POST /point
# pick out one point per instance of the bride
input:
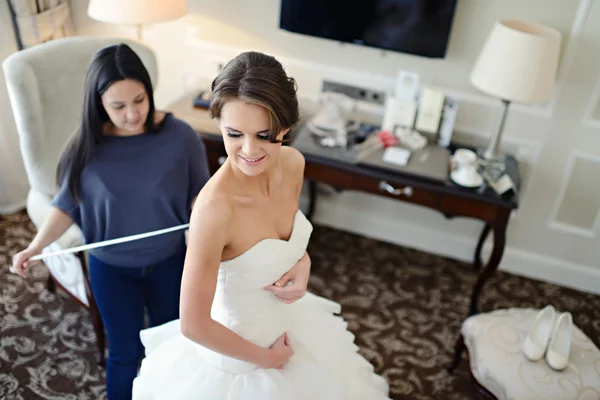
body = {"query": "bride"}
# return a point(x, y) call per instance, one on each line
point(238, 337)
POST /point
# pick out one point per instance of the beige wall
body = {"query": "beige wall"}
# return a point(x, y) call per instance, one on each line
point(548, 139)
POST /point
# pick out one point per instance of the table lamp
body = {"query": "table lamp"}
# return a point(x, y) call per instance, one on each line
point(518, 62)
point(136, 12)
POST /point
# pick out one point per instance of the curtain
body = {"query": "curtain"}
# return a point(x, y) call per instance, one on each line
point(37, 21)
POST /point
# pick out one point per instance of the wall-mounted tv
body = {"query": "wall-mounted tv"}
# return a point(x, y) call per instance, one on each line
point(420, 27)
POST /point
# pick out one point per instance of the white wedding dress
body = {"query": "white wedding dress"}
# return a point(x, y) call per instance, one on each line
point(325, 364)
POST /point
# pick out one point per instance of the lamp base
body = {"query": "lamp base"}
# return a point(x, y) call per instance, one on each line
point(492, 166)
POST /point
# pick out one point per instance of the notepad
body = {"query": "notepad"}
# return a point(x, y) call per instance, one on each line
point(430, 111)
point(396, 155)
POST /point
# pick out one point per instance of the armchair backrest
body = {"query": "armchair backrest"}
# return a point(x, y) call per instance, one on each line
point(45, 86)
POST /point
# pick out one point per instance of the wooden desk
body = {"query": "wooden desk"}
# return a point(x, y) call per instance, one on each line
point(338, 167)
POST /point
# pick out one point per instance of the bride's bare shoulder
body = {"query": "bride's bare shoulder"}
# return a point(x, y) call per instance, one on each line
point(213, 208)
point(293, 166)
point(215, 194)
point(293, 160)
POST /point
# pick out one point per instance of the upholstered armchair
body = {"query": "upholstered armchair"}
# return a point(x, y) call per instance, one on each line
point(45, 86)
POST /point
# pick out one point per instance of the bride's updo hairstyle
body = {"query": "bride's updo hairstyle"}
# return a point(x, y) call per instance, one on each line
point(259, 79)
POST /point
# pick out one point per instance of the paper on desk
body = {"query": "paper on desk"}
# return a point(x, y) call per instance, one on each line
point(430, 110)
point(396, 155)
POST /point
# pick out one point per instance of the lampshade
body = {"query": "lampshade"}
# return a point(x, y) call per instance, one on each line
point(136, 12)
point(518, 62)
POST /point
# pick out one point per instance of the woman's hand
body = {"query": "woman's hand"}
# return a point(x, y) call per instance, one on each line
point(21, 262)
point(279, 353)
point(55, 225)
point(292, 285)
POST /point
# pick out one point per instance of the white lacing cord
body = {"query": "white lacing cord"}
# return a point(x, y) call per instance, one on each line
point(109, 242)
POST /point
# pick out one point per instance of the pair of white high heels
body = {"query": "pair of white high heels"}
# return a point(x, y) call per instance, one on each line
point(550, 335)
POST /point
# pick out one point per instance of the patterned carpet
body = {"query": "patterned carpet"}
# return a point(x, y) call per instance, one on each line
point(404, 306)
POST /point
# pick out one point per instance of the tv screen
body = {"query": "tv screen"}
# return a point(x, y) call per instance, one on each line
point(419, 27)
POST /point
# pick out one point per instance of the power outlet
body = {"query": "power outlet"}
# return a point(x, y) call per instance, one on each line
point(374, 97)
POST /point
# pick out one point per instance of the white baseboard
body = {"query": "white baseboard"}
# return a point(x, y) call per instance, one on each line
point(553, 270)
point(392, 230)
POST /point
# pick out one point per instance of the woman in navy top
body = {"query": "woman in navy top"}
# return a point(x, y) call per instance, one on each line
point(128, 169)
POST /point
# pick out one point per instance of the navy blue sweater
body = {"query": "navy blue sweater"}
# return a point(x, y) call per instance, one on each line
point(136, 184)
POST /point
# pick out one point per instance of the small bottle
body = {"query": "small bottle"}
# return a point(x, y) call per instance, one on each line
point(448, 119)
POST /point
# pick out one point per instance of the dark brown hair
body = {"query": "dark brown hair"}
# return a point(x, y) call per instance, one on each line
point(109, 65)
point(258, 79)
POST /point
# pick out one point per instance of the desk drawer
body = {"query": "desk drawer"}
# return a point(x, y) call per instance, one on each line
point(396, 191)
point(332, 176)
point(457, 206)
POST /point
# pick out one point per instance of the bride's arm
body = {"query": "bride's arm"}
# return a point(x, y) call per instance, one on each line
point(206, 240)
point(293, 284)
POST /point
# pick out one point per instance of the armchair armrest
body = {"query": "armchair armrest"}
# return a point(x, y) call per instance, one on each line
point(38, 208)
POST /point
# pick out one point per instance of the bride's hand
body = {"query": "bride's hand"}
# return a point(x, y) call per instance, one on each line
point(280, 353)
point(292, 286)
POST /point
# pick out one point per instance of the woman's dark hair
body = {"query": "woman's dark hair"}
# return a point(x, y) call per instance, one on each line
point(109, 65)
point(258, 79)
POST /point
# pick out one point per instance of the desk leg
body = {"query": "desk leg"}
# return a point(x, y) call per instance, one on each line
point(499, 227)
point(312, 195)
point(484, 234)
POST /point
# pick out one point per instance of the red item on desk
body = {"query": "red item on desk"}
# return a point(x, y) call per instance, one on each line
point(387, 139)
point(381, 139)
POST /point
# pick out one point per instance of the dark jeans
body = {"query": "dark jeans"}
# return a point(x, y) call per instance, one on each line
point(122, 294)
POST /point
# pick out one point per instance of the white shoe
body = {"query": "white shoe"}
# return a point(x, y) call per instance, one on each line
point(559, 349)
point(536, 341)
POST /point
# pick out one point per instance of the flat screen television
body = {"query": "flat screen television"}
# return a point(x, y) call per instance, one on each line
point(419, 27)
